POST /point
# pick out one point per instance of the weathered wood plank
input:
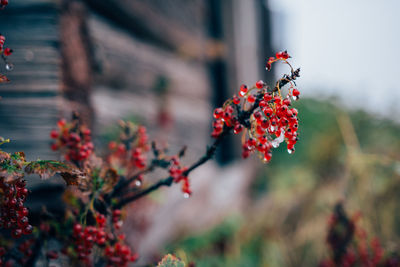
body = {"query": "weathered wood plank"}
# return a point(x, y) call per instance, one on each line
point(131, 64)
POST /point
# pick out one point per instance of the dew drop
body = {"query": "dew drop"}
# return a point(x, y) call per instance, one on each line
point(9, 66)
point(186, 195)
point(138, 183)
point(290, 151)
point(295, 98)
point(275, 143)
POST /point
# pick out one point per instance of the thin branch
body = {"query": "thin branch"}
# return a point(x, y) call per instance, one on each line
point(169, 180)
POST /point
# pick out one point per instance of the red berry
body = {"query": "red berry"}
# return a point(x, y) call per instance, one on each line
point(243, 90)
point(61, 123)
point(260, 84)
point(251, 99)
point(238, 128)
point(295, 92)
point(7, 52)
point(267, 97)
point(236, 100)
point(54, 134)
point(218, 113)
point(282, 55)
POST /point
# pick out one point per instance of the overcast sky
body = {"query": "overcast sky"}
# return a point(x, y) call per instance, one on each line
point(349, 47)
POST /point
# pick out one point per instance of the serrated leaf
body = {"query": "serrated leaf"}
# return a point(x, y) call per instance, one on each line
point(171, 261)
point(74, 178)
point(48, 168)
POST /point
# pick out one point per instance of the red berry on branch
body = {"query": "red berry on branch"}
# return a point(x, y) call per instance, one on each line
point(251, 99)
point(54, 134)
point(260, 84)
point(243, 90)
point(7, 52)
point(236, 100)
point(282, 55)
point(218, 113)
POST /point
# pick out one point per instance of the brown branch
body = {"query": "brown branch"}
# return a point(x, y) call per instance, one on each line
point(168, 181)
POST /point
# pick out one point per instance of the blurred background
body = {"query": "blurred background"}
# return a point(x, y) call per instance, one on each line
point(168, 63)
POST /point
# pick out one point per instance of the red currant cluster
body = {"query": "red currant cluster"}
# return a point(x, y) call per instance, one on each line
point(74, 139)
point(84, 240)
point(26, 250)
point(119, 254)
point(3, 3)
point(350, 247)
point(2, 253)
point(13, 214)
point(264, 115)
point(5, 52)
point(178, 173)
point(130, 153)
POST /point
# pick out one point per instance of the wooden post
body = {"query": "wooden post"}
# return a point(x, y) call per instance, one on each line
point(76, 59)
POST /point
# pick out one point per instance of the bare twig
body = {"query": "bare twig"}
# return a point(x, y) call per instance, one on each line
point(168, 181)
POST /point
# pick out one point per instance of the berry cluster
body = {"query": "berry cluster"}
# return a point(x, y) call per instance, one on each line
point(349, 245)
point(13, 214)
point(116, 253)
point(26, 250)
point(263, 114)
point(129, 153)
point(74, 139)
point(5, 51)
point(177, 172)
point(85, 238)
point(282, 55)
point(3, 3)
point(119, 254)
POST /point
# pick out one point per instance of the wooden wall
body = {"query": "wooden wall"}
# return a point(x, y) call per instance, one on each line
point(29, 104)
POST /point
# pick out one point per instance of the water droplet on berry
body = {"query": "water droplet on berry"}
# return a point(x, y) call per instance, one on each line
point(186, 195)
point(277, 141)
point(9, 66)
point(290, 151)
point(138, 183)
point(295, 98)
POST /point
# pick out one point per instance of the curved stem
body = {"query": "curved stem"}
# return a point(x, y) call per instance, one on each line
point(169, 180)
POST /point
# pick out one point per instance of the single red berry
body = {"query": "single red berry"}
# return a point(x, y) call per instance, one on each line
point(260, 84)
point(243, 90)
point(86, 132)
point(295, 92)
point(238, 128)
point(54, 134)
point(7, 52)
point(61, 123)
point(52, 254)
point(267, 97)
point(236, 100)
point(218, 113)
point(269, 63)
point(251, 99)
